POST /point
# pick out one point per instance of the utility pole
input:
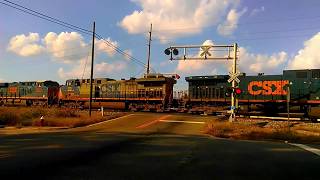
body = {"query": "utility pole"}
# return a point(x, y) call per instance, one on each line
point(149, 49)
point(92, 60)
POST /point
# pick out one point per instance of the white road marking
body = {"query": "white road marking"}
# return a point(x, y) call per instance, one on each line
point(307, 148)
point(109, 120)
point(190, 122)
point(276, 118)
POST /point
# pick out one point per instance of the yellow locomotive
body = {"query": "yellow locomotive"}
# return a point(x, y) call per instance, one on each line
point(151, 92)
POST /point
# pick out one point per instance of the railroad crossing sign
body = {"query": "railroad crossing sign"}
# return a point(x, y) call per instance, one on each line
point(234, 77)
point(205, 52)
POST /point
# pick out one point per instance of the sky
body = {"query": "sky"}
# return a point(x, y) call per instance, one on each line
point(272, 36)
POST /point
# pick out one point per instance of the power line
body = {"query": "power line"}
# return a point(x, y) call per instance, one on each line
point(47, 19)
point(122, 52)
point(119, 50)
point(41, 14)
point(68, 25)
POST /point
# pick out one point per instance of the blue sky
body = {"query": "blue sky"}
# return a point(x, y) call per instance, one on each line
point(272, 35)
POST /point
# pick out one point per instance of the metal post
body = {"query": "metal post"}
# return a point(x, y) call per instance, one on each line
point(92, 60)
point(288, 105)
point(234, 71)
point(149, 50)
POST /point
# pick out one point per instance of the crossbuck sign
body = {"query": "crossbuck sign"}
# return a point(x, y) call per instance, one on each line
point(234, 77)
point(205, 52)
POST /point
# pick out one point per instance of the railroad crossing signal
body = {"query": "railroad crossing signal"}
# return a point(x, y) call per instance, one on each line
point(173, 50)
point(205, 52)
point(234, 77)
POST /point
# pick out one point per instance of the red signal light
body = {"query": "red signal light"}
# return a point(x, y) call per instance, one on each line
point(238, 91)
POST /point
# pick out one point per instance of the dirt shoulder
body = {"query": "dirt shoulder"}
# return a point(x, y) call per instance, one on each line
point(29, 130)
point(265, 129)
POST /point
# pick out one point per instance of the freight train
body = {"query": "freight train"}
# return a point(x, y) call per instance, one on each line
point(260, 94)
point(151, 92)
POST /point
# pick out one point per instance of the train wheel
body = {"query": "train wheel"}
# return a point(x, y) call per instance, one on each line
point(29, 102)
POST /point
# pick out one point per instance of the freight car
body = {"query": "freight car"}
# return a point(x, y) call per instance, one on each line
point(29, 93)
point(151, 92)
point(261, 94)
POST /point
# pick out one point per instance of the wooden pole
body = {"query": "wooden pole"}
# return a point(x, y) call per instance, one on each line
point(149, 50)
point(92, 61)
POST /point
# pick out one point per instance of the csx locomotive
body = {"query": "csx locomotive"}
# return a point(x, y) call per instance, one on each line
point(151, 92)
point(261, 94)
point(29, 93)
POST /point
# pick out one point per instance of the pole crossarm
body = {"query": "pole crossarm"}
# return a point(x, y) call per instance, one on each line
point(199, 46)
point(206, 52)
point(200, 58)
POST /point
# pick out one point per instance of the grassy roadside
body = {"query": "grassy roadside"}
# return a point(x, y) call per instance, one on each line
point(54, 117)
point(264, 130)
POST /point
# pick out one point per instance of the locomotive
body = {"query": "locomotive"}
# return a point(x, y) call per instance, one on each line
point(151, 92)
point(29, 93)
point(260, 94)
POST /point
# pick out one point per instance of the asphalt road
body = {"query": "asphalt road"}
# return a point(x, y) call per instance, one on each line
point(149, 146)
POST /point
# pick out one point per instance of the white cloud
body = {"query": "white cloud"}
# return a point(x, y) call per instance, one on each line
point(1, 80)
point(107, 68)
point(128, 54)
point(108, 49)
point(176, 18)
point(257, 10)
point(309, 56)
point(70, 48)
point(25, 45)
point(165, 63)
point(66, 47)
point(82, 69)
point(231, 23)
point(256, 63)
